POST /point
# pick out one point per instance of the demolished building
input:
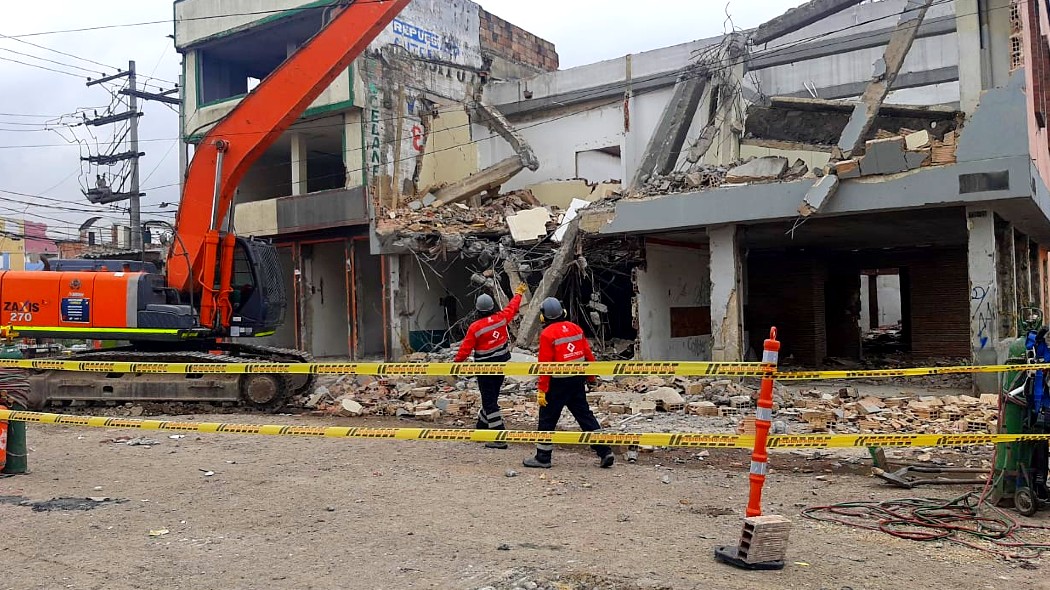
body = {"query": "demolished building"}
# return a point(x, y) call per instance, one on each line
point(843, 158)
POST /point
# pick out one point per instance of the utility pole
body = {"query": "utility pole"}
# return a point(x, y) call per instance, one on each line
point(103, 193)
point(134, 213)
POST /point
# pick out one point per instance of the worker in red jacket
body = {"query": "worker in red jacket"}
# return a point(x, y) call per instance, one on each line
point(489, 339)
point(562, 341)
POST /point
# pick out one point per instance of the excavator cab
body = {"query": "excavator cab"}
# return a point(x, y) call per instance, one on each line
point(258, 296)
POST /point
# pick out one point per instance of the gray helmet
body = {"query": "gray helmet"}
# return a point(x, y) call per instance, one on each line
point(551, 309)
point(484, 303)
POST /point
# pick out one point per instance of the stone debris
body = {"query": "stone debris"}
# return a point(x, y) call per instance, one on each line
point(659, 404)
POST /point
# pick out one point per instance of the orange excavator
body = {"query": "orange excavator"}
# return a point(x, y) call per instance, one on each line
point(216, 285)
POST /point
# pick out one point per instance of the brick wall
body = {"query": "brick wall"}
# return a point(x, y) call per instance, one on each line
point(787, 291)
point(796, 293)
point(503, 39)
point(940, 304)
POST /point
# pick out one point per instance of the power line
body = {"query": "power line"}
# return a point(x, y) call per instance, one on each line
point(51, 61)
point(41, 67)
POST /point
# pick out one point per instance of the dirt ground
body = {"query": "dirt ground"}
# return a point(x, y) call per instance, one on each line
point(317, 514)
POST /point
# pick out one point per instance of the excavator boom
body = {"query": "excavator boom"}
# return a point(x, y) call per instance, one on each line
point(227, 152)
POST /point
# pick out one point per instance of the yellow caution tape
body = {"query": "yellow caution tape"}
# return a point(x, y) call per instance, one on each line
point(909, 372)
point(616, 369)
point(628, 368)
point(673, 440)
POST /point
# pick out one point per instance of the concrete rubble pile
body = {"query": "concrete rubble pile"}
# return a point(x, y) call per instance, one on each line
point(659, 404)
point(845, 412)
point(457, 217)
point(704, 176)
point(887, 153)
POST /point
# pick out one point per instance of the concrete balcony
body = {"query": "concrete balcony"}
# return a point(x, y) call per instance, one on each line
point(303, 213)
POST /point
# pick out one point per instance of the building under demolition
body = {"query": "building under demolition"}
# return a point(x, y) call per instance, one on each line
point(680, 201)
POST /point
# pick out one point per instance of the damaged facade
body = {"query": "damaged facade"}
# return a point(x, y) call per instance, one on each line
point(846, 168)
point(827, 177)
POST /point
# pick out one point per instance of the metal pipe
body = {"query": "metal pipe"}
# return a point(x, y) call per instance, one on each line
point(220, 148)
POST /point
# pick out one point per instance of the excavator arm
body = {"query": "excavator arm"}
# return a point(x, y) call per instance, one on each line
point(205, 253)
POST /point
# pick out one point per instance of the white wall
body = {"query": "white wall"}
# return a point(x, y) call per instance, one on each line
point(558, 137)
point(594, 165)
point(673, 277)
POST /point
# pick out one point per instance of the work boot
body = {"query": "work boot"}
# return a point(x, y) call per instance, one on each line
point(496, 445)
point(536, 463)
point(608, 460)
point(632, 456)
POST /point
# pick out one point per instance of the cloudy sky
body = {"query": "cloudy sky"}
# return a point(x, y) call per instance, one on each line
point(38, 160)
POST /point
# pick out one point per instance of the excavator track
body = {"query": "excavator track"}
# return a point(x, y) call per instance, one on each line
point(261, 391)
point(298, 384)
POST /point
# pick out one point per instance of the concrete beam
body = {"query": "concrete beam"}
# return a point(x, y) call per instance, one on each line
point(909, 80)
point(488, 179)
point(490, 117)
point(821, 193)
point(791, 53)
point(665, 144)
point(552, 278)
point(885, 73)
point(799, 18)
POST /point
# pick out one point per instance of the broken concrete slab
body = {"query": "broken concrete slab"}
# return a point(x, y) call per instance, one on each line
point(884, 75)
point(847, 169)
point(917, 159)
point(479, 182)
point(574, 210)
point(764, 168)
point(818, 194)
point(883, 156)
point(349, 407)
point(529, 226)
point(559, 267)
point(560, 193)
point(665, 144)
point(797, 170)
point(917, 140)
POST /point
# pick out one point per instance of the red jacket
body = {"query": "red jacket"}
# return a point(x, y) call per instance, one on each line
point(563, 342)
point(488, 337)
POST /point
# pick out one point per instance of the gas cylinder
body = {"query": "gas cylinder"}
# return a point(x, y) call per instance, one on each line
point(3, 442)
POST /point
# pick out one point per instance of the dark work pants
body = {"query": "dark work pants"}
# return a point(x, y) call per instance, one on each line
point(567, 392)
point(490, 417)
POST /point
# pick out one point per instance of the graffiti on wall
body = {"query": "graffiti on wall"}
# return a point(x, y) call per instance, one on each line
point(423, 42)
point(375, 135)
point(983, 316)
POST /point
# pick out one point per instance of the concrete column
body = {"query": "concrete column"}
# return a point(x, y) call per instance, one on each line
point(397, 319)
point(299, 156)
point(971, 56)
point(984, 295)
point(353, 158)
point(727, 320)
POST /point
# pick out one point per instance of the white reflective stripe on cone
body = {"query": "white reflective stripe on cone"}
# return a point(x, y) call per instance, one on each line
point(758, 468)
point(770, 357)
point(764, 414)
